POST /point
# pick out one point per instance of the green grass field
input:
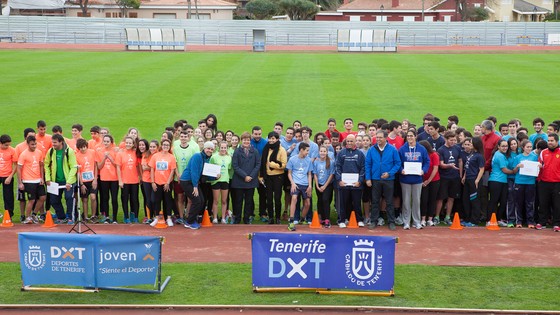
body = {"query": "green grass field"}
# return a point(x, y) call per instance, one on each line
point(415, 286)
point(152, 90)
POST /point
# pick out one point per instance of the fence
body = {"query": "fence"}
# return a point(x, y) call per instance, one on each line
point(38, 29)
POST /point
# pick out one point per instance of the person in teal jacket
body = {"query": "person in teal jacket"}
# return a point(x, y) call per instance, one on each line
point(61, 169)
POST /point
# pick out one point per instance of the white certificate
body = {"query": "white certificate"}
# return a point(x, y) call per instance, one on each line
point(211, 170)
point(413, 168)
point(350, 178)
point(530, 168)
point(53, 188)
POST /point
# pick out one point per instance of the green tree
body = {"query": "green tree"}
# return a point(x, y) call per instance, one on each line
point(125, 5)
point(262, 9)
point(328, 5)
point(83, 6)
point(478, 14)
point(299, 9)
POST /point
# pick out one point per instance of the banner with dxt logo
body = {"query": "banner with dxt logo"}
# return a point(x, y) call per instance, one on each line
point(353, 262)
point(88, 260)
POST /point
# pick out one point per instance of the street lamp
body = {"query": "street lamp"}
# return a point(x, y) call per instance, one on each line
point(382, 8)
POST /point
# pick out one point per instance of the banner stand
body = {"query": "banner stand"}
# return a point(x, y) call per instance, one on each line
point(160, 286)
point(390, 293)
point(358, 265)
point(40, 289)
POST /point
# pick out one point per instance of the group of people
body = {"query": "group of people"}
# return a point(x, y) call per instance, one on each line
point(386, 172)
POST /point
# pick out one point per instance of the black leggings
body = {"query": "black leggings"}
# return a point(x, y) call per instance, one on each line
point(324, 200)
point(498, 195)
point(129, 193)
point(106, 189)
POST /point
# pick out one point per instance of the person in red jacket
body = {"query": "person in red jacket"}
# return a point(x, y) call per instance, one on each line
point(489, 142)
point(549, 187)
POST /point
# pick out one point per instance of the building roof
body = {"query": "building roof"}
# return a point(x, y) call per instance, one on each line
point(168, 3)
point(524, 7)
point(375, 5)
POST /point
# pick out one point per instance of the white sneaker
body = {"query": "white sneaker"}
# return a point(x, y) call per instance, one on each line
point(380, 222)
point(342, 225)
point(406, 227)
point(423, 223)
point(169, 222)
point(28, 220)
point(399, 220)
point(419, 226)
point(429, 223)
point(215, 221)
point(296, 222)
point(361, 224)
point(154, 222)
point(224, 221)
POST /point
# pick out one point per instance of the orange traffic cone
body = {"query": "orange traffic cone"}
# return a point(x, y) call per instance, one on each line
point(206, 220)
point(161, 222)
point(315, 223)
point(456, 223)
point(7, 221)
point(493, 224)
point(352, 224)
point(49, 223)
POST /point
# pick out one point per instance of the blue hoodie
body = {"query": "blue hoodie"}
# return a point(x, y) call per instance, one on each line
point(416, 154)
point(193, 172)
point(386, 161)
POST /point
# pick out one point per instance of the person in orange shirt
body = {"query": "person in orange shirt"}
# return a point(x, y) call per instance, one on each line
point(76, 134)
point(96, 139)
point(132, 133)
point(30, 173)
point(8, 167)
point(108, 180)
point(163, 166)
point(128, 173)
point(145, 152)
point(19, 149)
point(44, 140)
point(87, 178)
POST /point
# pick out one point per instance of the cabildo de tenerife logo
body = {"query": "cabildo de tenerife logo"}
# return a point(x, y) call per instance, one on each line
point(34, 258)
point(363, 267)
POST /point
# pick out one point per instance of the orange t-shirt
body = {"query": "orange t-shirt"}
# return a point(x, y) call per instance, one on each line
point(87, 164)
point(31, 163)
point(128, 163)
point(7, 159)
point(107, 172)
point(146, 174)
point(44, 143)
point(20, 148)
point(93, 144)
point(72, 143)
point(163, 165)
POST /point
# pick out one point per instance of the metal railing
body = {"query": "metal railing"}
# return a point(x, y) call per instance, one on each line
point(39, 29)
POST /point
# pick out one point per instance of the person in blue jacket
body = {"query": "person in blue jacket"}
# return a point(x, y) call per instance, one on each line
point(382, 163)
point(190, 182)
point(350, 161)
point(411, 183)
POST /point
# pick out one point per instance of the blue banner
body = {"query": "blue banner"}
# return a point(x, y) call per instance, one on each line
point(88, 260)
point(353, 262)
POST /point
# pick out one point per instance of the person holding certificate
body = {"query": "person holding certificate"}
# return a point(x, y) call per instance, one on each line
point(524, 187)
point(190, 182)
point(350, 174)
point(416, 162)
